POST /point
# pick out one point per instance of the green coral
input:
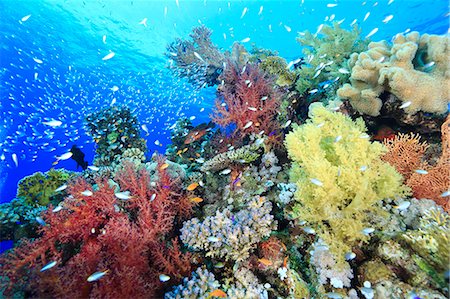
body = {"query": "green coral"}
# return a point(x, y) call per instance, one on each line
point(277, 66)
point(431, 241)
point(340, 178)
point(39, 188)
point(328, 53)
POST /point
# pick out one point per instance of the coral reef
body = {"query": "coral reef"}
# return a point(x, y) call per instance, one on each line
point(340, 178)
point(414, 68)
point(278, 67)
point(127, 236)
point(114, 130)
point(198, 60)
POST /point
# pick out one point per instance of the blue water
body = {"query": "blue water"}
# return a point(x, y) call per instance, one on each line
point(71, 37)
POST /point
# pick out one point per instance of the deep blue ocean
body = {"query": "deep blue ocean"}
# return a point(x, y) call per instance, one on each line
point(51, 63)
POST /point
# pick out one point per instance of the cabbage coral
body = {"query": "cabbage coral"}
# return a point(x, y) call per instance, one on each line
point(340, 178)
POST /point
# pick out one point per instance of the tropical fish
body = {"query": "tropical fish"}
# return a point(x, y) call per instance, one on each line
point(108, 56)
point(245, 40)
point(25, 18)
point(192, 187)
point(65, 156)
point(375, 30)
point(213, 239)
point(15, 159)
point(217, 293)
point(198, 132)
point(164, 166)
point(52, 123)
point(96, 276)
point(48, 266)
point(87, 193)
point(265, 262)
point(143, 22)
point(164, 277)
point(61, 188)
point(316, 182)
point(197, 199)
point(123, 195)
point(384, 132)
point(387, 19)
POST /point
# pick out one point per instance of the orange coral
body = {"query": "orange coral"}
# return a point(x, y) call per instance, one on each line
point(437, 180)
point(406, 153)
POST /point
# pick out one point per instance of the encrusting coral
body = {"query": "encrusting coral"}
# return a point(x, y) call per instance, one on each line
point(414, 68)
point(340, 178)
point(127, 236)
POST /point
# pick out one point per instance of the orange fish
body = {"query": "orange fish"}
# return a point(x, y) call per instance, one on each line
point(285, 261)
point(198, 132)
point(217, 293)
point(197, 199)
point(192, 187)
point(164, 166)
point(384, 132)
point(265, 262)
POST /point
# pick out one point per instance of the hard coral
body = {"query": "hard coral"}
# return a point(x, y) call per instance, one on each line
point(133, 240)
point(340, 178)
point(414, 68)
point(250, 100)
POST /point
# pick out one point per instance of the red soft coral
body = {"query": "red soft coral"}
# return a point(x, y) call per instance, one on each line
point(134, 240)
point(251, 100)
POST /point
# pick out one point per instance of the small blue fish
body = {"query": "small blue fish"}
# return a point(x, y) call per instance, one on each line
point(48, 266)
point(40, 221)
point(97, 275)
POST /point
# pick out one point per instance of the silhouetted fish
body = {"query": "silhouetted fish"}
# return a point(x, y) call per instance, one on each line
point(78, 156)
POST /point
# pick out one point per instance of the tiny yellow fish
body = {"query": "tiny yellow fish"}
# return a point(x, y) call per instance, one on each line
point(185, 150)
point(217, 293)
point(164, 166)
point(265, 262)
point(197, 199)
point(192, 187)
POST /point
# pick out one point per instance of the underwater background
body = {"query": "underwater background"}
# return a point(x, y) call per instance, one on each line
point(70, 68)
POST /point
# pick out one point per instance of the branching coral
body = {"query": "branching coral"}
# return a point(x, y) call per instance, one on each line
point(405, 153)
point(114, 129)
point(414, 69)
point(339, 176)
point(130, 239)
point(247, 100)
point(427, 181)
point(198, 60)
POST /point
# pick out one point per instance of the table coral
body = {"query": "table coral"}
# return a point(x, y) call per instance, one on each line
point(414, 68)
point(132, 239)
point(340, 178)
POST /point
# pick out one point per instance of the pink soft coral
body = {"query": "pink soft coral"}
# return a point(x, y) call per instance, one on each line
point(251, 101)
point(133, 239)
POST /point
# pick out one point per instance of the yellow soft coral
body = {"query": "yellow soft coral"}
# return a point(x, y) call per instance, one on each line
point(339, 176)
point(414, 68)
